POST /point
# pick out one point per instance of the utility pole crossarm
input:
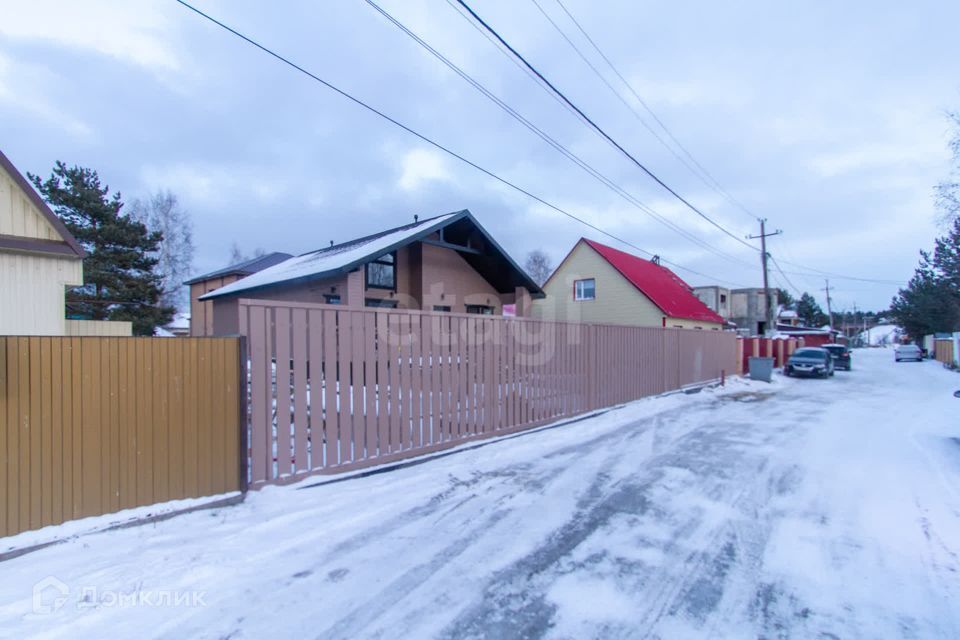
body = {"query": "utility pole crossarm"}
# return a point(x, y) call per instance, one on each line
point(763, 261)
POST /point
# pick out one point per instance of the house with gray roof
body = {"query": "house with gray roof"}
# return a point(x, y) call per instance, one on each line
point(447, 263)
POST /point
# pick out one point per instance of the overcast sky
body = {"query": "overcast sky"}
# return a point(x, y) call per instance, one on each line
point(827, 118)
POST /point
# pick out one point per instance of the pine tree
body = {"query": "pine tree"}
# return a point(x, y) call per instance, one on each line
point(119, 277)
point(810, 312)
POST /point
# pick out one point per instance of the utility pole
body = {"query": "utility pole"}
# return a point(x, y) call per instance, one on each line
point(763, 261)
point(829, 310)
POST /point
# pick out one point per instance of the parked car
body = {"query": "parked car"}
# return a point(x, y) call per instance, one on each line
point(907, 352)
point(810, 361)
point(841, 356)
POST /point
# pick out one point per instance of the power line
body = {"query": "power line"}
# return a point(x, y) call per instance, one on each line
point(623, 193)
point(595, 126)
point(421, 136)
point(672, 137)
point(684, 156)
point(777, 265)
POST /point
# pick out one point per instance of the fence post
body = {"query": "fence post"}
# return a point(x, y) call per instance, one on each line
point(243, 388)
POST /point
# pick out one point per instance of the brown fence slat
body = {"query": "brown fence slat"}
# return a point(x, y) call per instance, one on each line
point(92, 425)
point(370, 385)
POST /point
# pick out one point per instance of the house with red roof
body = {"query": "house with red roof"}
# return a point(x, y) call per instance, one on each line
point(598, 284)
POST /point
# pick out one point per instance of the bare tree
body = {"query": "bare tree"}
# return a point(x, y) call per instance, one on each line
point(947, 192)
point(237, 255)
point(161, 212)
point(538, 266)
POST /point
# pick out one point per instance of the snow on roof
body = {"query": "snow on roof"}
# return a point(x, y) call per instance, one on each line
point(180, 321)
point(331, 259)
point(665, 288)
point(258, 263)
point(789, 313)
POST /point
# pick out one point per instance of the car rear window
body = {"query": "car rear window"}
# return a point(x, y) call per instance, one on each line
point(836, 350)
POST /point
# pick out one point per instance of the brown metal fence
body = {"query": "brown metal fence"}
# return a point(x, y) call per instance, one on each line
point(943, 351)
point(94, 425)
point(335, 388)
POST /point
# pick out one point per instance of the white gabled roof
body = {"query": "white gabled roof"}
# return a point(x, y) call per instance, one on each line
point(333, 258)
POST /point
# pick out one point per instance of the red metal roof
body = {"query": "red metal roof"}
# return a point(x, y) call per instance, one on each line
point(674, 296)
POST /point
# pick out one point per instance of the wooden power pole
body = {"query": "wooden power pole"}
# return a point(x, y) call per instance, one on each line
point(763, 261)
point(829, 302)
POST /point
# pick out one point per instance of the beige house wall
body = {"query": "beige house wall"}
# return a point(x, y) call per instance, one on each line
point(32, 285)
point(120, 328)
point(32, 288)
point(18, 215)
point(617, 300)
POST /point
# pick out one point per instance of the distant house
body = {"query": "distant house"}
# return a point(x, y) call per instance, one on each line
point(201, 312)
point(448, 263)
point(716, 298)
point(39, 259)
point(788, 317)
point(599, 284)
point(812, 336)
point(748, 309)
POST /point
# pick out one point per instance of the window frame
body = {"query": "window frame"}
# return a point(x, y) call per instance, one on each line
point(577, 297)
point(480, 309)
point(381, 261)
point(380, 303)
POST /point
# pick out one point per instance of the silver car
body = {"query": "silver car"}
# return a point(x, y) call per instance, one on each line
point(907, 352)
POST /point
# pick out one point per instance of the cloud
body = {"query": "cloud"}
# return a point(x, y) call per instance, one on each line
point(213, 184)
point(134, 32)
point(876, 156)
point(22, 90)
point(422, 166)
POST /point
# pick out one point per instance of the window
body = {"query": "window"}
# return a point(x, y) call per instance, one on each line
point(382, 272)
point(585, 289)
point(480, 309)
point(331, 298)
point(381, 302)
point(723, 298)
point(442, 307)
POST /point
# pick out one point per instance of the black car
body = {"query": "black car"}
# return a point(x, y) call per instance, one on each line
point(810, 361)
point(841, 356)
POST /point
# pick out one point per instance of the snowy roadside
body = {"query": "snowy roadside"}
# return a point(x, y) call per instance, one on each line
point(803, 508)
point(27, 541)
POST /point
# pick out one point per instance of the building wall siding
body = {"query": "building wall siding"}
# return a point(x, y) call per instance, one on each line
point(617, 300)
point(32, 291)
point(121, 328)
point(18, 216)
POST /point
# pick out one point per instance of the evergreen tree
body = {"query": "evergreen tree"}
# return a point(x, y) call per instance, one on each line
point(811, 315)
point(784, 298)
point(119, 277)
point(931, 301)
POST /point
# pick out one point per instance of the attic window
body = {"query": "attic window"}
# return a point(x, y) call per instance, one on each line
point(585, 289)
point(382, 272)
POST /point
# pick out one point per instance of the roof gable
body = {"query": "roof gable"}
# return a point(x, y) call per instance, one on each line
point(63, 245)
point(661, 285)
point(347, 256)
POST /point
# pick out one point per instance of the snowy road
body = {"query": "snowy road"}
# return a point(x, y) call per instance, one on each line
point(806, 509)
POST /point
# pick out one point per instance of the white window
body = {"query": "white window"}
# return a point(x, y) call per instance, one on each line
point(584, 289)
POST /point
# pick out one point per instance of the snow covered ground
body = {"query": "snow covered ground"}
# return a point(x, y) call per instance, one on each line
point(804, 508)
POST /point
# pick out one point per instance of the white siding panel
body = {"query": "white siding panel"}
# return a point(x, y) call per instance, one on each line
point(32, 293)
point(19, 216)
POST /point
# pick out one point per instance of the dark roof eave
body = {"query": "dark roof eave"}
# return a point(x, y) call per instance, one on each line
point(37, 245)
point(42, 206)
